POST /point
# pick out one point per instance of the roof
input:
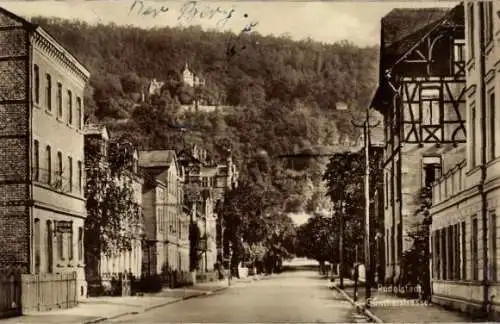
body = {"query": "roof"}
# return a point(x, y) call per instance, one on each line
point(160, 158)
point(96, 129)
point(11, 18)
point(402, 29)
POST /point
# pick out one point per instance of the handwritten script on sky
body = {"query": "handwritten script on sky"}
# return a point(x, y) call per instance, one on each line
point(189, 12)
point(193, 11)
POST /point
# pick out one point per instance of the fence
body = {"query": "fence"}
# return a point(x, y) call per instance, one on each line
point(42, 292)
point(108, 284)
point(10, 296)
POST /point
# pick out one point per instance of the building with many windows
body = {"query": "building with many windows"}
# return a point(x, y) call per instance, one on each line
point(421, 95)
point(466, 199)
point(217, 178)
point(41, 152)
point(165, 224)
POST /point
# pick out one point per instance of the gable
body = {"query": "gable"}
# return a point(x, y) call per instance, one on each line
point(9, 19)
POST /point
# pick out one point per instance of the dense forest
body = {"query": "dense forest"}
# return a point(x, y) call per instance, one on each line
point(279, 96)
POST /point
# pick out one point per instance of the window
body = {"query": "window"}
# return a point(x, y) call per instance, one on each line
point(492, 125)
point(488, 18)
point(400, 241)
point(386, 190)
point(470, 18)
point(474, 256)
point(464, 252)
point(59, 165)
point(79, 112)
point(36, 160)
point(36, 242)
point(70, 245)
point(473, 136)
point(48, 92)
point(60, 246)
point(80, 176)
point(398, 180)
point(437, 247)
point(458, 51)
point(48, 163)
point(456, 238)
point(387, 247)
point(393, 248)
point(204, 182)
point(59, 101)
point(430, 106)
point(459, 57)
point(80, 243)
point(70, 107)
point(70, 175)
point(444, 266)
point(431, 170)
point(50, 255)
point(493, 247)
point(36, 83)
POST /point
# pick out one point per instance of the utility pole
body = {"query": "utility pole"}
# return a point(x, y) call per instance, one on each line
point(366, 133)
point(230, 272)
point(341, 246)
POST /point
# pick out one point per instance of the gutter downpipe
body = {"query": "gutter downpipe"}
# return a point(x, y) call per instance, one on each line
point(484, 202)
point(388, 77)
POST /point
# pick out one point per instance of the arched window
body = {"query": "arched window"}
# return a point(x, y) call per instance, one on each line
point(50, 255)
point(36, 243)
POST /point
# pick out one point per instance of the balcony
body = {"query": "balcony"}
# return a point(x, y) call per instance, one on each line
point(55, 181)
point(450, 184)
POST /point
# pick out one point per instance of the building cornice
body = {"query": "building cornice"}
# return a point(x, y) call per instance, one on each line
point(42, 40)
point(454, 200)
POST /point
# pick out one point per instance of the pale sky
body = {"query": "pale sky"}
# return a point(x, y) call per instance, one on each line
point(358, 21)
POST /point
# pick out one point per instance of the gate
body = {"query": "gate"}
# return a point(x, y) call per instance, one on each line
point(10, 296)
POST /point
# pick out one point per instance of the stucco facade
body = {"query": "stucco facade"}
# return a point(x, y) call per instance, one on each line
point(165, 223)
point(466, 200)
point(41, 149)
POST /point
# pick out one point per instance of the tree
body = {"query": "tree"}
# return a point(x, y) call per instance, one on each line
point(316, 240)
point(415, 261)
point(113, 217)
point(345, 187)
point(251, 222)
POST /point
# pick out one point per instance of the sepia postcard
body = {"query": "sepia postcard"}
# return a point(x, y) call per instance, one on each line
point(202, 161)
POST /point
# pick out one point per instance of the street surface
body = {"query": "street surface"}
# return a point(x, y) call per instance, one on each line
point(295, 296)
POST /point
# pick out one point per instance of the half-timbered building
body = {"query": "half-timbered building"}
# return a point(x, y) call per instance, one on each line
point(464, 240)
point(421, 95)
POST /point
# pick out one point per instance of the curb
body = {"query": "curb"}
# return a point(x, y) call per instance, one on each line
point(146, 309)
point(359, 307)
point(172, 301)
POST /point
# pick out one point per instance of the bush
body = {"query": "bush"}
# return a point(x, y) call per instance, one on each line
point(153, 283)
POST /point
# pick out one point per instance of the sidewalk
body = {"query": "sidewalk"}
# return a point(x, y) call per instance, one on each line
point(387, 307)
point(97, 309)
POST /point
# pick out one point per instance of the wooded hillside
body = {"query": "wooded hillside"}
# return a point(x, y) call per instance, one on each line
point(280, 94)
